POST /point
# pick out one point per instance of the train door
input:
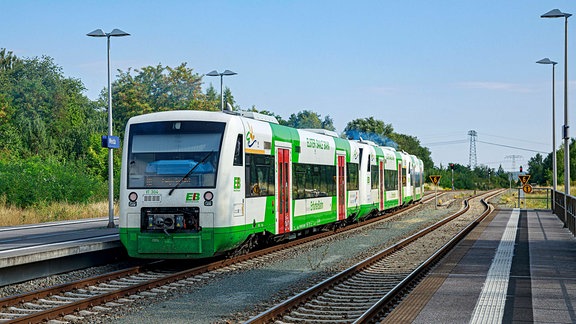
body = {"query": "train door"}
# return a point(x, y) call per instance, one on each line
point(400, 187)
point(341, 188)
point(381, 183)
point(283, 181)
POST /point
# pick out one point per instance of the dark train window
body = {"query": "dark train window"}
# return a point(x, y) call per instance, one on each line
point(312, 180)
point(238, 151)
point(390, 180)
point(259, 175)
point(375, 178)
point(352, 176)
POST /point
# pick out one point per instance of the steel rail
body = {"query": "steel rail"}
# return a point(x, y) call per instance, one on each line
point(295, 301)
point(387, 301)
point(60, 311)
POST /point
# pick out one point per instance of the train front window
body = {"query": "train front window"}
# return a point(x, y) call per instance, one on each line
point(161, 154)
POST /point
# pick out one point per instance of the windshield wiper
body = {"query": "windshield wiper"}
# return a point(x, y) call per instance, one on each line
point(190, 172)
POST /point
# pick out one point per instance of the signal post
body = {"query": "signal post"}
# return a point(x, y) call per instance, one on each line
point(435, 179)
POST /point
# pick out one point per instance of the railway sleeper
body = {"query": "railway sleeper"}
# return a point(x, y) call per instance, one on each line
point(25, 310)
point(380, 276)
point(329, 311)
point(101, 290)
point(53, 302)
point(378, 291)
point(373, 289)
point(71, 299)
point(335, 307)
point(363, 284)
point(79, 294)
point(336, 299)
point(11, 316)
point(316, 319)
point(38, 306)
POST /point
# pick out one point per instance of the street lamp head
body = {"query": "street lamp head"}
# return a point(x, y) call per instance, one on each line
point(213, 73)
point(97, 33)
point(546, 61)
point(555, 13)
point(115, 33)
point(118, 33)
point(228, 72)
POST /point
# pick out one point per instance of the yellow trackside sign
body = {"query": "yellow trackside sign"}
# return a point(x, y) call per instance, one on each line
point(524, 178)
point(435, 178)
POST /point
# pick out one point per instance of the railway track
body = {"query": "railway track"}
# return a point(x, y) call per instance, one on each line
point(368, 290)
point(70, 302)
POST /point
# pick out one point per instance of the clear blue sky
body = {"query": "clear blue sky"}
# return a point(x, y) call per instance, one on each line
point(432, 69)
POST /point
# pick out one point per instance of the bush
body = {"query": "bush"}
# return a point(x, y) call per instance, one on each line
point(36, 181)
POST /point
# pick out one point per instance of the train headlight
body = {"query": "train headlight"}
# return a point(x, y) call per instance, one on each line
point(208, 196)
point(133, 196)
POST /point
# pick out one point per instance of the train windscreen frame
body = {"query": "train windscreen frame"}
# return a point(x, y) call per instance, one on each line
point(162, 154)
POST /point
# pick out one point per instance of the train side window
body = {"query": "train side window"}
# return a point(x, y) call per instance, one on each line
point(375, 178)
point(352, 176)
point(259, 175)
point(368, 166)
point(238, 151)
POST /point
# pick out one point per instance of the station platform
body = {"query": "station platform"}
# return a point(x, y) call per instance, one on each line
point(29, 251)
point(517, 266)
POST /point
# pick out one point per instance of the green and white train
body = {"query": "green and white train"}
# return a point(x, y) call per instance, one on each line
point(196, 184)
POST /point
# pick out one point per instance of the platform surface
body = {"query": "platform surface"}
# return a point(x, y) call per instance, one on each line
point(521, 268)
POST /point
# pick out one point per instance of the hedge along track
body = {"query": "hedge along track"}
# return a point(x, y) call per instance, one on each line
point(370, 288)
point(125, 286)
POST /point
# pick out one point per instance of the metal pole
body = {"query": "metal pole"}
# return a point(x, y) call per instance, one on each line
point(554, 166)
point(221, 92)
point(110, 151)
point(436, 197)
point(566, 126)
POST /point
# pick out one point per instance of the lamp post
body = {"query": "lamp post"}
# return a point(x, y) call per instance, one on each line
point(215, 73)
point(555, 13)
point(554, 167)
point(114, 33)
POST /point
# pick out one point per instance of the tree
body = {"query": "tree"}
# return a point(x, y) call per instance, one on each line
point(212, 97)
point(229, 99)
point(41, 111)
point(370, 125)
point(269, 113)
point(412, 145)
point(153, 89)
point(383, 134)
point(536, 169)
point(309, 119)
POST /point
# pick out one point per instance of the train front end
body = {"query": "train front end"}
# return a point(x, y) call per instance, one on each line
point(169, 185)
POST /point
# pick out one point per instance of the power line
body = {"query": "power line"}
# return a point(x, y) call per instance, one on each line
point(514, 139)
point(446, 143)
point(514, 147)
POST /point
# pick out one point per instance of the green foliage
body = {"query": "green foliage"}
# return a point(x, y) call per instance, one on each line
point(33, 181)
point(383, 134)
point(309, 119)
point(155, 88)
point(269, 113)
point(42, 112)
point(482, 177)
point(370, 125)
point(50, 132)
point(412, 145)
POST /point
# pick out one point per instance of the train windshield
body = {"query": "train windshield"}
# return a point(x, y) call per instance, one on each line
point(161, 154)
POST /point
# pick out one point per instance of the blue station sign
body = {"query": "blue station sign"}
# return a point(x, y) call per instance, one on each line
point(111, 142)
